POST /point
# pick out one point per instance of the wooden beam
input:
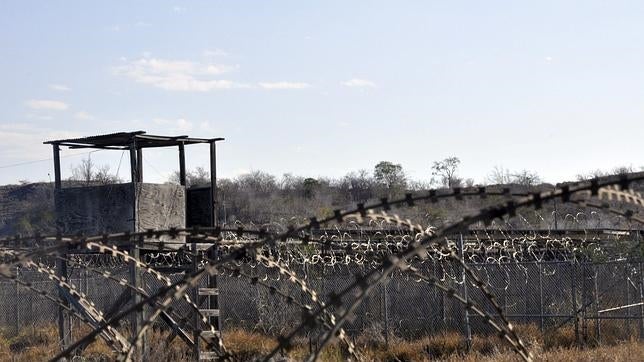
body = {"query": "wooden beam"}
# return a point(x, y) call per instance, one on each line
point(182, 165)
point(139, 165)
point(213, 183)
point(213, 300)
point(133, 166)
point(57, 179)
point(64, 322)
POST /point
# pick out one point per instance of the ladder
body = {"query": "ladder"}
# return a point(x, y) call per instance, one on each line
point(206, 299)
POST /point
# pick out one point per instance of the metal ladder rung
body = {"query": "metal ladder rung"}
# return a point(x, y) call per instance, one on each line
point(210, 312)
point(208, 355)
point(210, 334)
point(208, 291)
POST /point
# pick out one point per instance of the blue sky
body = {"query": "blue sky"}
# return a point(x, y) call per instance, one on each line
point(327, 87)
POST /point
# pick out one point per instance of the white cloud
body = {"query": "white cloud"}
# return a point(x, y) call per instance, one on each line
point(84, 116)
point(46, 104)
point(178, 9)
point(283, 85)
point(355, 82)
point(178, 75)
point(59, 87)
point(217, 69)
point(211, 53)
point(187, 75)
point(239, 172)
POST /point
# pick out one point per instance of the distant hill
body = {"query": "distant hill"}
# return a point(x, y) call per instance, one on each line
point(29, 208)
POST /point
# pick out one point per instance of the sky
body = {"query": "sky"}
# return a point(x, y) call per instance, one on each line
point(323, 88)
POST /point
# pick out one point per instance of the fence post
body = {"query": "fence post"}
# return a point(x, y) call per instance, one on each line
point(442, 296)
point(574, 299)
point(86, 274)
point(438, 318)
point(541, 322)
point(627, 321)
point(641, 283)
point(139, 317)
point(197, 320)
point(526, 299)
point(323, 292)
point(18, 301)
point(386, 309)
point(584, 303)
point(641, 320)
point(64, 320)
point(468, 330)
point(598, 331)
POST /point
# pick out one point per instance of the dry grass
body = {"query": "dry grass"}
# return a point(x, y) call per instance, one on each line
point(30, 344)
point(623, 352)
point(38, 343)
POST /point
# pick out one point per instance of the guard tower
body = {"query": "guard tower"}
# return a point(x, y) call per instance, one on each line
point(134, 206)
point(138, 206)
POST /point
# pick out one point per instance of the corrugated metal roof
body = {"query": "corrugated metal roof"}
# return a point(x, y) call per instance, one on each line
point(123, 140)
point(99, 138)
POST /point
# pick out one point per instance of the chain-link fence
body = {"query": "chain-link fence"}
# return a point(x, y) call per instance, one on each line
point(599, 300)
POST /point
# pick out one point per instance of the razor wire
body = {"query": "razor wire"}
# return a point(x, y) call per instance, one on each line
point(385, 254)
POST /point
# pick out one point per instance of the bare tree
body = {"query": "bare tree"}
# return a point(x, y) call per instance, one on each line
point(591, 175)
point(418, 185)
point(289, 182)
point(359, 185)
point(89, 173)
point(258, 182)
point(103, 176)
point(84, 172)
point(198, 176)
point(526, 178)
point(446, 170)
point(500, 176)
point(619, 170)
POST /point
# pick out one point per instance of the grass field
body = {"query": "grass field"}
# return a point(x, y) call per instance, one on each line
point(39, 343)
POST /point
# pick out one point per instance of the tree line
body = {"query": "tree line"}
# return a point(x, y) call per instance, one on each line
point(260, 197)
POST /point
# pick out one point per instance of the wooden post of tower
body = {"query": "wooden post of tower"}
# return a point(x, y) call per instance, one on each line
point(213, 302)
point(64, 320)
point(213, 183)
point(136, 169)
